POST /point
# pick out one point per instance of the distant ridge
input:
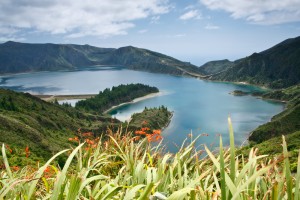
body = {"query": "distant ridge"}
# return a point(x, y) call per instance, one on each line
point(216, 66)
point(18, 57)
point(277, 67)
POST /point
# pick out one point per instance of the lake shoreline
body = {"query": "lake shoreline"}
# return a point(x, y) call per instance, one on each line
point(49, 97)
point(148, 96)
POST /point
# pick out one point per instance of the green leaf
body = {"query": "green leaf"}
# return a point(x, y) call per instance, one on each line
point(288, 175)
point(180, 194)
point(6, 162)
point(61, 177)
point(222, 171)
point(297, 178)
point(146, 192)
point(130, 194)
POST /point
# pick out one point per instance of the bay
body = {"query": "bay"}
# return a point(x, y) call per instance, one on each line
point(200, 107)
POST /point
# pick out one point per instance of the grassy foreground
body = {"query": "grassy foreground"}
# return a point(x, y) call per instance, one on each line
point(121, 168)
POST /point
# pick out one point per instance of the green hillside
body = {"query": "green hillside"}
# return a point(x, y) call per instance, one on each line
point(45, 127)
point(277, 67)
point(146, 60)
point(216, 66)
point(22, 57)
point(284, 123)
point(19, 57)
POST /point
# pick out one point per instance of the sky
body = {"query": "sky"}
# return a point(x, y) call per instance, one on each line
point(195, 31)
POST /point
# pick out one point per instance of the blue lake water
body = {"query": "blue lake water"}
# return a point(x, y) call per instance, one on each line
point(199, 106)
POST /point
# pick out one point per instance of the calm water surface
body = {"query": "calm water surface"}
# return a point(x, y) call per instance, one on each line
point(199, 106)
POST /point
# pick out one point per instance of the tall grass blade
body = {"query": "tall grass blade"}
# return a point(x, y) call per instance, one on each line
point(6, 164)
point(250, 180)
point(180, 194)
point(111, 193)
point(130, 194)
point(222, 171)
point(146, 192)
point(40, 173)
point(232, 150)
point(228, 180)
point(61, 177)
point(275, 191)
point(297, 178)
point(288, 175)
point(73, 189)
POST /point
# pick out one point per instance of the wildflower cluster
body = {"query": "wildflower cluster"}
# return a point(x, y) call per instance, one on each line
point(50, 171)
point(90, 140)
point(152, 135)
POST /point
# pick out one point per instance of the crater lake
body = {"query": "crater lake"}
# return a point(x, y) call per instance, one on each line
point(200, 107)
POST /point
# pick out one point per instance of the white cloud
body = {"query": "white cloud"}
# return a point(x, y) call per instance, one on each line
point(155, 19)
point(77, 18)
point(192, 14)
point(211, 27)
point(258, 11)
point(180, 35)
point(143, 31)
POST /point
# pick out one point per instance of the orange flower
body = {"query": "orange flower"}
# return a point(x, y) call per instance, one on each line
point(15, 168)
point(27, 151)
point(47, 169)
point(145, 129)
point(48, 172)
point(149, 137)
point(136, 138)
point(158, 132)
point(8, 148)
point(87, 134)
point(158, 137)
point(70, 139)
point(90, 142)
point(140, 132)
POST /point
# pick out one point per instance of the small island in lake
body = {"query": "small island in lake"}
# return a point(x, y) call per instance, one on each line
point(153, 118)
point(239, 93)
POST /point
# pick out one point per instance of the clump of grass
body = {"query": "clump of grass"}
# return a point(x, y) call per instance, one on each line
point(121, 168)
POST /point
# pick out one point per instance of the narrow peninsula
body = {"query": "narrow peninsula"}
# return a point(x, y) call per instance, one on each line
point(115, 96)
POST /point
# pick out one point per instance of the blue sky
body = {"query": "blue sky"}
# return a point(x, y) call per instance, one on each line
point(191, 30)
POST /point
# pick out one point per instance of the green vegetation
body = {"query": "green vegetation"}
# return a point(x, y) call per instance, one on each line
point(239, 93)
point(290, 94)
point(115, 96)
point(154, 118)
point(277, 67)
point(284, 123)
point(21, 57)
point(273, 148)
point(45, 127)
point(120, 168)
point(145, 60)
point(216, 66)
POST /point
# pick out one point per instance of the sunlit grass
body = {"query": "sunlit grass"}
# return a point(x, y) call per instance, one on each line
point(123, 168)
